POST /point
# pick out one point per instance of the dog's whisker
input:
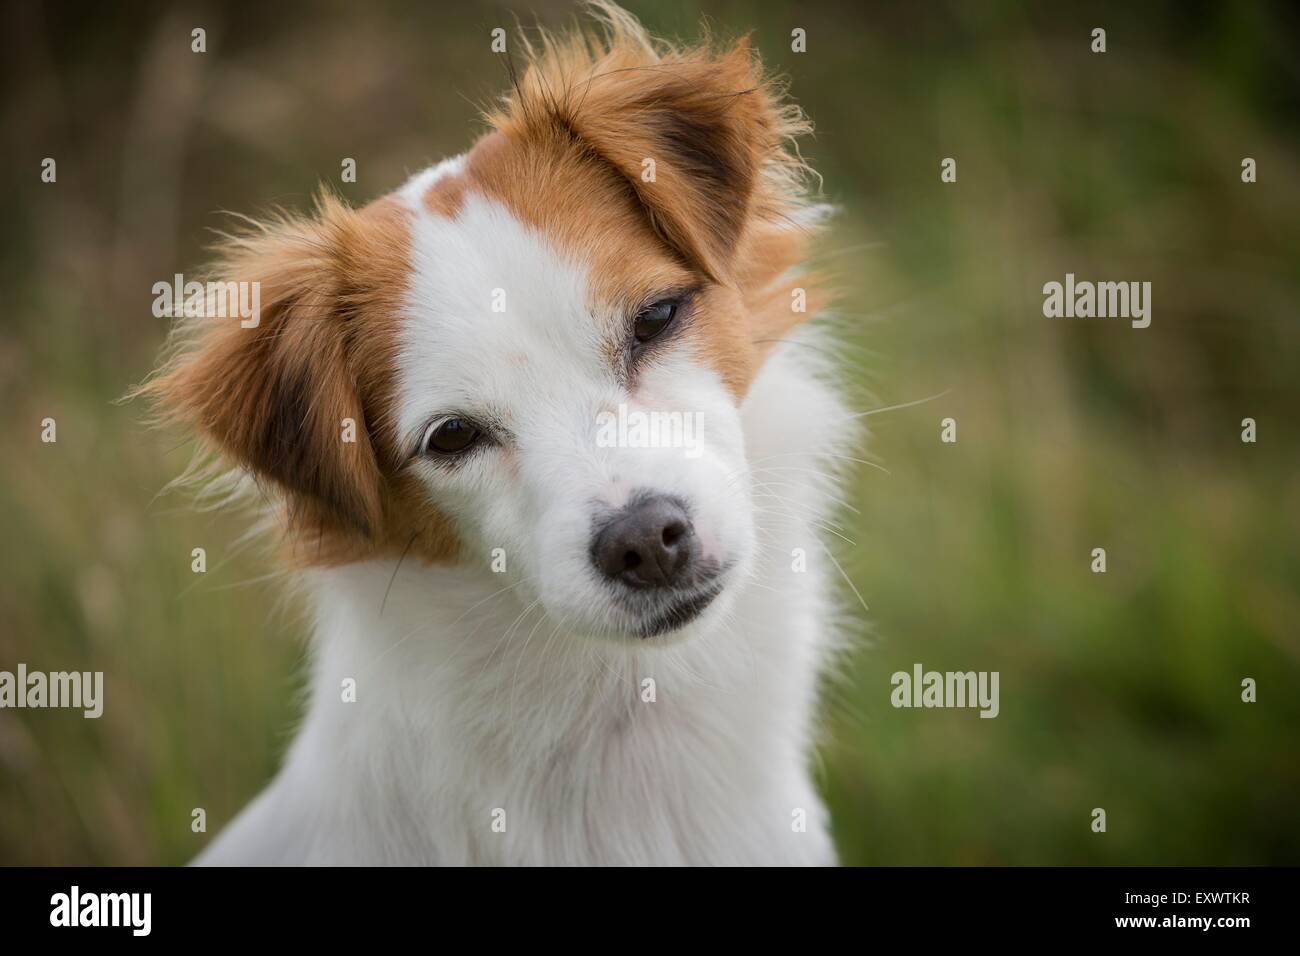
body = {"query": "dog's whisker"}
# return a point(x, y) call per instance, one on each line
point(893, 408)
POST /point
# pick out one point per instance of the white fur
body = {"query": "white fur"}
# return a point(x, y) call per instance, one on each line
point(521, 692)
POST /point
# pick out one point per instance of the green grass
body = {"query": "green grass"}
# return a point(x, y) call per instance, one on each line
point(1119, 691)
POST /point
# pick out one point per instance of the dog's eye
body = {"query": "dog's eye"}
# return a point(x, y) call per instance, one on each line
point(653, 319)
point(450, 437)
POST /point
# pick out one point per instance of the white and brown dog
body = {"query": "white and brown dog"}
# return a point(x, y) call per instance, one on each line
point(532, 645)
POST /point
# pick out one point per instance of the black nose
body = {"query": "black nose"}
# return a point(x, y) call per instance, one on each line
point(649, 544)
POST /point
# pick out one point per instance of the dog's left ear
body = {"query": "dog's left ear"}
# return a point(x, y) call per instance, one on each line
point(690, 134)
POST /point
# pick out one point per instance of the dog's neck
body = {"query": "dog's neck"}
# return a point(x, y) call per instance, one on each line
point(465, 665)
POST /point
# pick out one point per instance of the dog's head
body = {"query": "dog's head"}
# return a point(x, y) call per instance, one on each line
point(532, 358)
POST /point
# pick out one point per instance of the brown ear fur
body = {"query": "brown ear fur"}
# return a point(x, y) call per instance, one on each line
point(715, 126)
point(274, 397)
point(705, 127)
point(771, 274)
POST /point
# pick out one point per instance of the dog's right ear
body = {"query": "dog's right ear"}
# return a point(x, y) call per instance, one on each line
point(277, 396)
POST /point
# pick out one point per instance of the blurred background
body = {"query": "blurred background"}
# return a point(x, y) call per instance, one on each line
point(1119, 690)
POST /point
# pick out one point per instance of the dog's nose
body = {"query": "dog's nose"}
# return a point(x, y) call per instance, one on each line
point(649, 544)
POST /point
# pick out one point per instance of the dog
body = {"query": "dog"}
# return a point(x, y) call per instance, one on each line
point(547, 630)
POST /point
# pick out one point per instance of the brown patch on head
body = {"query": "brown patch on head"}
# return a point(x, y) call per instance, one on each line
point(657, 168)
point(277, 398)
point(445, 196)
point(585, 210)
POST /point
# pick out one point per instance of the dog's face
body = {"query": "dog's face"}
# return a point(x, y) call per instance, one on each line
point(566, 405)
point(542, 346)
